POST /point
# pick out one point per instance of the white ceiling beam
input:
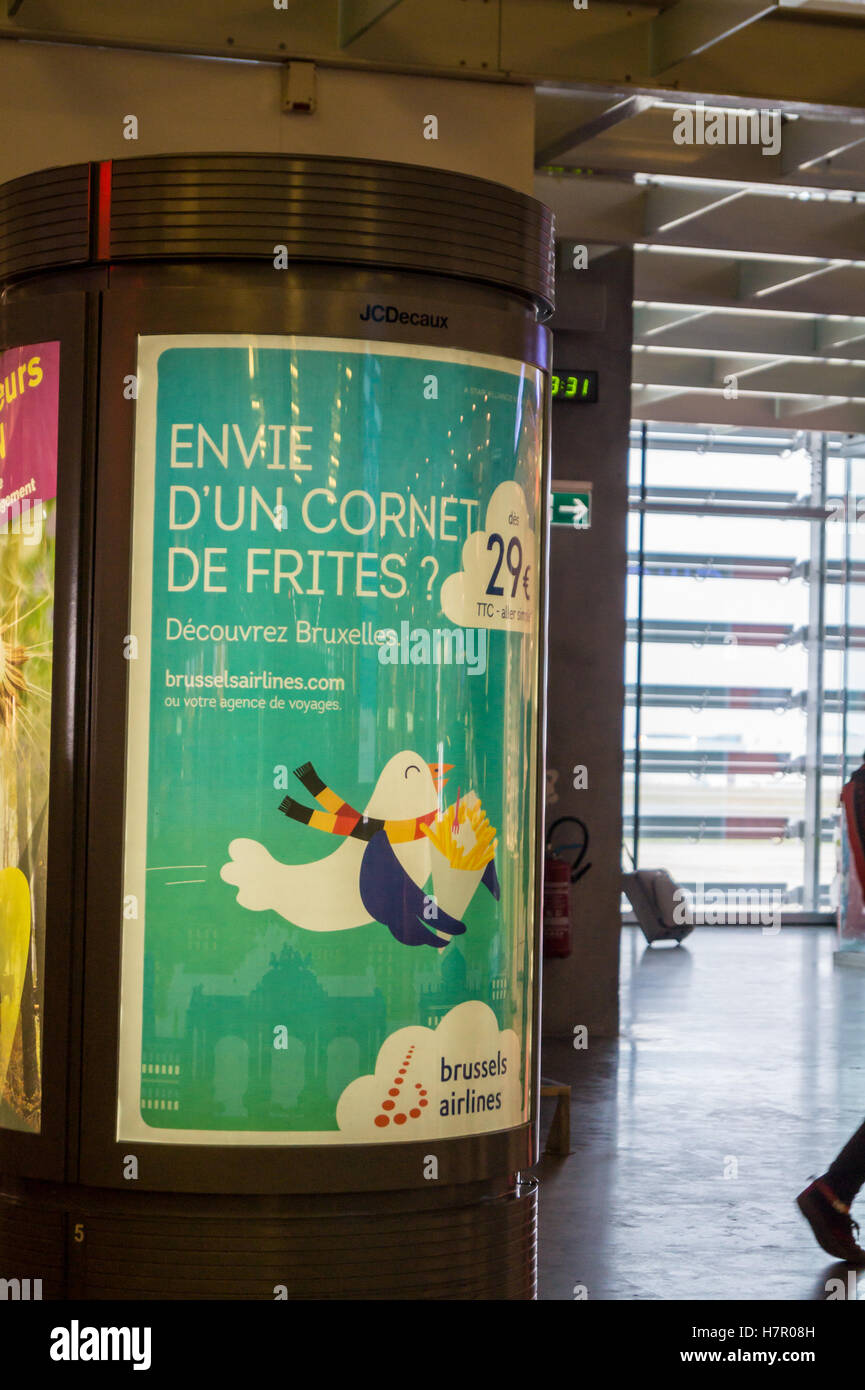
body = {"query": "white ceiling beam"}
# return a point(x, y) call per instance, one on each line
point(770, 335)
point(711, 408)
point(781, 376)
point(775, 338)
point(696, 279)
point(760, 279)
point(580, 134)
point(669, 208)
point(691, 26)
point(833, 333)
point(807, 145)
point(357, 17)
point(650, 321)
point(653, 395)
point(744, 369)
point(789, 407)
point(813, 146)
point(685, 370)
point(608, 208)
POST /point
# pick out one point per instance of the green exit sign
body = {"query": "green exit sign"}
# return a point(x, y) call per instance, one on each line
point(571, 505)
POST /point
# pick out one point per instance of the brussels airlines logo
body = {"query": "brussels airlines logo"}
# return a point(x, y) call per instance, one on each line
point(389, 313)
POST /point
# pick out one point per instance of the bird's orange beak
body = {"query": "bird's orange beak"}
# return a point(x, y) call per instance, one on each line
point(438, 770)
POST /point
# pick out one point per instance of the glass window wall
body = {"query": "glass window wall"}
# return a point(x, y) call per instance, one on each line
point(745, 704)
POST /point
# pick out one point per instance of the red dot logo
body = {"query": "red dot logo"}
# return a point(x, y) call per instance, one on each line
point(401, 1117)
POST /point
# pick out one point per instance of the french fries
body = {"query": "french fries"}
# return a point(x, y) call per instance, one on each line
point(449, 841)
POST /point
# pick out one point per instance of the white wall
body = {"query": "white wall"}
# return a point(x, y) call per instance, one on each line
point(62, 104)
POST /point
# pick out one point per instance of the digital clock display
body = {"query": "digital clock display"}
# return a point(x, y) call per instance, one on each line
point(575, 386)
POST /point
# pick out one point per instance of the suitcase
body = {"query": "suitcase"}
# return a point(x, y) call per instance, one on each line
point(661, 907)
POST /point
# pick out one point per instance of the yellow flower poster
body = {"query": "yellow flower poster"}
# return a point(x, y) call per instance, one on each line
point(29, 379)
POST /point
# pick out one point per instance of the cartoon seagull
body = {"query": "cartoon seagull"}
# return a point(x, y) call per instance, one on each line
point(379, 872)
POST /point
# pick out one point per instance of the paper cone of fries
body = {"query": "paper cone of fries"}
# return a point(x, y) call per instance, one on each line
point(462, 843)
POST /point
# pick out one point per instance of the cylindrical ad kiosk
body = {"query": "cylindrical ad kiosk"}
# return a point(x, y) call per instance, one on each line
point(273, 442)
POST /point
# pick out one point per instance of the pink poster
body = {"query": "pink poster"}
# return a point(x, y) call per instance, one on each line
point(29, 395)
point(28, 423)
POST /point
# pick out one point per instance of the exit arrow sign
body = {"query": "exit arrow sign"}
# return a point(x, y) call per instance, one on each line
point(571, 505)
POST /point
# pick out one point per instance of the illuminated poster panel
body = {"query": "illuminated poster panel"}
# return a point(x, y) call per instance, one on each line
point(29, 396)
point(328, 879)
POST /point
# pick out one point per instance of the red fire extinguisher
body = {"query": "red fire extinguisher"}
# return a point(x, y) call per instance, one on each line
point(559, 873)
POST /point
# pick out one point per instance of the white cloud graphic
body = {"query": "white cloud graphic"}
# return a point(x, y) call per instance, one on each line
point(501, 557)
point(466, 1067)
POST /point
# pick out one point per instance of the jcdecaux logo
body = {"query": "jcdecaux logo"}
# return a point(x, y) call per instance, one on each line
point(389, 313)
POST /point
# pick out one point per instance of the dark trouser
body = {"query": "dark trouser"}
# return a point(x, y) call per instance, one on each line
point(847, 1173)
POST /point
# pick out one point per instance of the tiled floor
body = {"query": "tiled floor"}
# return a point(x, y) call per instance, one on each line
point(739, 1072)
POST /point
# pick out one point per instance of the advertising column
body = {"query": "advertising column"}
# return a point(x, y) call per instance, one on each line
point(331, 732)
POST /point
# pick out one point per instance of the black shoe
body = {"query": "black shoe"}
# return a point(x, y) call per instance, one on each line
point(831, 1222)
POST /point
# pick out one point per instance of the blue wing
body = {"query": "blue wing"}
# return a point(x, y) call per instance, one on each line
point(391, 897)
point(490, 880)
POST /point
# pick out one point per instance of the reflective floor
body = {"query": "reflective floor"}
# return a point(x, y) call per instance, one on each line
point(739, 1073)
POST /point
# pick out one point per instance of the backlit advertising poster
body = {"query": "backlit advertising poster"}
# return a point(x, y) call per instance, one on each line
point(29, 395)
point(331, 726)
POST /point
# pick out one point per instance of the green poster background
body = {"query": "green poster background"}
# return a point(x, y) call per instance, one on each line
point(268, 467)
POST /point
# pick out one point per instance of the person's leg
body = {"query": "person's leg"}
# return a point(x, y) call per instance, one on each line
point(825, 1204)
point(847, 1174)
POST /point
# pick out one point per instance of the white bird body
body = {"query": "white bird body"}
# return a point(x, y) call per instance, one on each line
point(321, 896)
point(324, 895)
